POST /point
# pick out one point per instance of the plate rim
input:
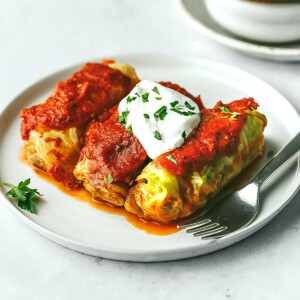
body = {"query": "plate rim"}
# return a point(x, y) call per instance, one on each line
point(142, 255)
point(235, 43)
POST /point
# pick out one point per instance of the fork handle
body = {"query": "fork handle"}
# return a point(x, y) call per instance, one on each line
point(279, 159)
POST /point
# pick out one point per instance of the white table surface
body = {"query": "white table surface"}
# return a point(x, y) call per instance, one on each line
point(40, 37)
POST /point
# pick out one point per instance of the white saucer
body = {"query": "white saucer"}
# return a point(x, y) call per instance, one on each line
point(196, 13)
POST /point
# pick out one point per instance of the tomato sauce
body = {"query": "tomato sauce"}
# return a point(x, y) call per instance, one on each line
point(76, 101)
point(217, 135)
point(111, 149)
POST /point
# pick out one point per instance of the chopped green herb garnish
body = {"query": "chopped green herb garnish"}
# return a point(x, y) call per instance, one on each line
point(212, 116)
point(174, 103)
point(189, 106)
point(161, 113)
point(157, 135)
point(270, 154)
point(109, 179)
point(123, 117)
point(145, 97)
point(188, 113)
point(172, 159)
point(184, 136)
point(23, 194)
point(203, 117)
point(137, 94)
point(131, 182)
point(224, 117)
point(184, 113)
point(130, 99)
point(129, 129)
point(224, 109)
point(155, 90)
point(227, 111)
point(146, 116)
point(158, 98)
point(177, 111)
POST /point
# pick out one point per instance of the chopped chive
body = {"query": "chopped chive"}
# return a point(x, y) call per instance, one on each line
point(145, 97)
point(224, 117)
point(184, 136)
point(172, 159)
point(146, 116)
point(212, 116)
point(174, 103)
point(131, 182)
point(203, 117)
point(155, 90)
point(157, 135)
point(189, 106)
point(158, 98)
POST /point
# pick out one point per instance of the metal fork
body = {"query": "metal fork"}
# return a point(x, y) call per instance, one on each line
point(239, 209)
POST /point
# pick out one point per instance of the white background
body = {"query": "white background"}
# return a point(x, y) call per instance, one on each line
point(40, 37)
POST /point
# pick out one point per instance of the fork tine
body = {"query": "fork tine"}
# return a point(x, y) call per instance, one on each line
point(202, 228)
point(210, 232)
point(200, 223)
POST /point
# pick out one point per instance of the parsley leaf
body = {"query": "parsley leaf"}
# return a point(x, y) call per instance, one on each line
point(146, 116)
point(157, 135)
point(109, 179)
point(129, 129)
point(123, 117)
point(158, 98)
point(227, 111)
point(189, 106)
point(145, 97)
point(224, 109)
point(172, 159)
point(130, 99)
point(177, 111)
point(161, 113)
point(174, 103)
point(155, 90)
point(23, 194)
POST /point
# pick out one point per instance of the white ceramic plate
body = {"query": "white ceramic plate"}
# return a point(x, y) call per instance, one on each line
point(78, 226)
point(196, 13)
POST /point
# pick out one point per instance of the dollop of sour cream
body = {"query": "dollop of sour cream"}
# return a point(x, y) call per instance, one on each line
point(160, 117)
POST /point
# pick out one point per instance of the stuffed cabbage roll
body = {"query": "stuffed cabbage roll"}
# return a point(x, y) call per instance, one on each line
point(53, 130)
point(177, 183)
